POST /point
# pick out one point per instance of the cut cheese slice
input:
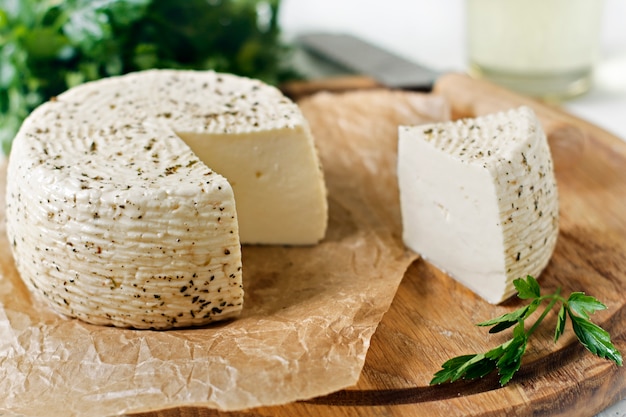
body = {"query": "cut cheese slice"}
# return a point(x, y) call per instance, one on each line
point(479, 199)
point(118, 213)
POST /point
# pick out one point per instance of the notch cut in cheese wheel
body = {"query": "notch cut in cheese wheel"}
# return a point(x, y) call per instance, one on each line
point(117, 212)
point(278, 188)
point(479, 199)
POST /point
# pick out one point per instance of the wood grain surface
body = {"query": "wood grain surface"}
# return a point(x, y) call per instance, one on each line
point(432, 317)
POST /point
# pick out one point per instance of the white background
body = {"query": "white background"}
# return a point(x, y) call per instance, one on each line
point(433, 33)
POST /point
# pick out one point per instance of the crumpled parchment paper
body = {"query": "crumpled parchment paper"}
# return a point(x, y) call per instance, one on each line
point(309, 312)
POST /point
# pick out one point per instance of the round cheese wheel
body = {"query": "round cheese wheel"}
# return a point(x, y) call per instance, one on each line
point(117, 214)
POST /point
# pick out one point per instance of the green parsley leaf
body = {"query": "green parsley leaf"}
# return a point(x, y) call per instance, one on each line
point(595, 339)
point(528, 288)
point(453, 369)
point(584, 305)
point(507, 320)
point(511, 359)
point(478, 367)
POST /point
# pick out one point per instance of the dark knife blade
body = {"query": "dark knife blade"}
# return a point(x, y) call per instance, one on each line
point(361, 57)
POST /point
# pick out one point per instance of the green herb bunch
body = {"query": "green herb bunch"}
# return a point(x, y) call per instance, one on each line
point(507, 357)
point(47, 46)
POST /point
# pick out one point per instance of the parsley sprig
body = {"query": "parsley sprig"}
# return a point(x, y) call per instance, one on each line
point(507, 357)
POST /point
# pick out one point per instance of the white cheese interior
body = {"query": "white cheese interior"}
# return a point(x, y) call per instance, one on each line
point(479, 199)
point(448, 221)
point(278, 195)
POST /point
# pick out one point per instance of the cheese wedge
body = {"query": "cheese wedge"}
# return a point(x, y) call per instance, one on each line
point(479, 199)
point(128, 198)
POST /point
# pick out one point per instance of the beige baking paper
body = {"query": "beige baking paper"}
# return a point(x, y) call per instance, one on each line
point(309, 312)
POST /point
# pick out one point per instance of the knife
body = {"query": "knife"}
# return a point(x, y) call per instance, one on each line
point(373, 66)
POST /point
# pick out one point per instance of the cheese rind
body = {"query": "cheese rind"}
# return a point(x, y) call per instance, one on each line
point(479, 199)
point(115, 220)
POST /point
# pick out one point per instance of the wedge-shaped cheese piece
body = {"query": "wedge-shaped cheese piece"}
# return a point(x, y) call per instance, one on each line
point(479, 199)
point(117, 212)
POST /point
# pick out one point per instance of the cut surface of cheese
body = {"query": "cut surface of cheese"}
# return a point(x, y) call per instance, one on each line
point(118, 213)
point(479, 199)
point(276, 202)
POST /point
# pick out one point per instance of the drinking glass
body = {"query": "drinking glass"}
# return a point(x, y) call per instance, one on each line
point(543, 48)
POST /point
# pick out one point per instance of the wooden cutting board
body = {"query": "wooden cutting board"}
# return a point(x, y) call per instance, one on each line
point(431, 318)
